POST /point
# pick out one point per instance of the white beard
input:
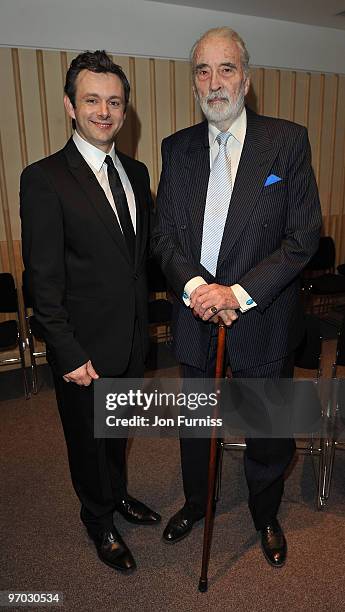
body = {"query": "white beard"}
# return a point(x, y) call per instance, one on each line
point(223, 112)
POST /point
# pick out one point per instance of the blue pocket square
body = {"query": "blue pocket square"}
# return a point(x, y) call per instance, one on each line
point(271, 179)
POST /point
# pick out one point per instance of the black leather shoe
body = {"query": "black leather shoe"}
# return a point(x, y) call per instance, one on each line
point(112, 550)
point(180, 525)
point(273, 544)
point(134, 511)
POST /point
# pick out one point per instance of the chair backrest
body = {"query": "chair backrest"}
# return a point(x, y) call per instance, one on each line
point(8, 293)
point(324, 258)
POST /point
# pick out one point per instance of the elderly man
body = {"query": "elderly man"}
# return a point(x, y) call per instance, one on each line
point(238, 219)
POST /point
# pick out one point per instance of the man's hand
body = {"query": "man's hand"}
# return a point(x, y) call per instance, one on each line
point(82, 376)
point(204, 297)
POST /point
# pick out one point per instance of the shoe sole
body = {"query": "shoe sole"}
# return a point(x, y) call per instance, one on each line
point(124, 570)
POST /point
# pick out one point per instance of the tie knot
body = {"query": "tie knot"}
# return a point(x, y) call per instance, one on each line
point(223, 138)
point(109, 161)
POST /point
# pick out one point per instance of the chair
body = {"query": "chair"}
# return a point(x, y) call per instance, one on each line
point(308, 357)
point(11, 337)
point(34, 334)
point(320, 285)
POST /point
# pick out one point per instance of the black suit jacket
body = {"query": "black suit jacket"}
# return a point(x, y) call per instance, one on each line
point(270, 234)
point(85, 288)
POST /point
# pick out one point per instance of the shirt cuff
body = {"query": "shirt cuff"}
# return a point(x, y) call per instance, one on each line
point(243, 298)
point(189, 287)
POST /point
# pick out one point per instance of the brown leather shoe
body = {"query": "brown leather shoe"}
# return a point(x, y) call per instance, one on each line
point(273, 544)
point(112, 550)
point(134, 511)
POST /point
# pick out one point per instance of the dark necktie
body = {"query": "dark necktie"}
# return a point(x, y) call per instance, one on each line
point(121, 206)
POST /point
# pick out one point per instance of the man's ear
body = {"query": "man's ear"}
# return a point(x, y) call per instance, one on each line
point(69, 106)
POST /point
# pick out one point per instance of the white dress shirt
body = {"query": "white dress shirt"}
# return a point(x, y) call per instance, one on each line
point(95, 157)
point(234, 148)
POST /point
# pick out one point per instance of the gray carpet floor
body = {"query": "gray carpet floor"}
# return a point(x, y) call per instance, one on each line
point(45, 548)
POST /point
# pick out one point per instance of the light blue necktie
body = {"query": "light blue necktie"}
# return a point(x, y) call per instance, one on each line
point(217, 205)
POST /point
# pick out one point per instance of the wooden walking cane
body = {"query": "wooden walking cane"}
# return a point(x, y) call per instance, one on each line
point(212, 466)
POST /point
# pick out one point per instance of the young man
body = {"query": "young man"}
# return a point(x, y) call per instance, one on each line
point(85, 214)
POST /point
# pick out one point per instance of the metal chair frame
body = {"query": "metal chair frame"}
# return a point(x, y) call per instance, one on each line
point(9, 305)
point(30, 336)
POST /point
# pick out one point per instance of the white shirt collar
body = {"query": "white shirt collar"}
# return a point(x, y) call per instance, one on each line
point(94, 156)
point(237, 129)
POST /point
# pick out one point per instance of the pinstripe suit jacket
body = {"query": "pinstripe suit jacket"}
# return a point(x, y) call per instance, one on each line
point(270, 234)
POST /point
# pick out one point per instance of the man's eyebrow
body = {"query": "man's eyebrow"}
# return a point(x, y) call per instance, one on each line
point(96, 95)
point(229, 64)
point(204, 65)
point(200, 66)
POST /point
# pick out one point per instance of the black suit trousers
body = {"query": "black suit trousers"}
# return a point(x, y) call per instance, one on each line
point(265, 460)
point(97, 466)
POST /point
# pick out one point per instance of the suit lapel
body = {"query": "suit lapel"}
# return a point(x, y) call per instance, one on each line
point(257, 157)
point(198, 167)
point(95, 194)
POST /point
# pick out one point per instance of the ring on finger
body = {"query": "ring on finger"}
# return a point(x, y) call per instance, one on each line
point(214, 310)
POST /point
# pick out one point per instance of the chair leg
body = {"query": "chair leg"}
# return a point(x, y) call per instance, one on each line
point(326, 461)
point(25, 378)
point(34, 377)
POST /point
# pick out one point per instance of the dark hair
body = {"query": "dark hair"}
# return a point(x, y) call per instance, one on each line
point(95, 61)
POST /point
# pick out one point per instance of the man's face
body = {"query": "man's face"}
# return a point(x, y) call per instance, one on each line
point(99, 110)
point(219, 81)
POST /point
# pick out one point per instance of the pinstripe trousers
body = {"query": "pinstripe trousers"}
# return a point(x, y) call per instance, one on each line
point(265, 460)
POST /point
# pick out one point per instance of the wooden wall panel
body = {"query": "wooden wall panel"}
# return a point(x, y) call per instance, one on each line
point(286, 102)
point(327, 144)
point(54, 83)
point(271, 93)
point(183, 86)
point(143, 108)
point(127, 139)
point(165, 106)
point(301, 98)
point(315, 119)
point(11, 162)
point(30, 92)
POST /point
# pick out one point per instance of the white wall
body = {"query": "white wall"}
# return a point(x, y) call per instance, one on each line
point(145, 28)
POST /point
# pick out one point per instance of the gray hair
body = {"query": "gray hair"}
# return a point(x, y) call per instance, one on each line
point(224, 32)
